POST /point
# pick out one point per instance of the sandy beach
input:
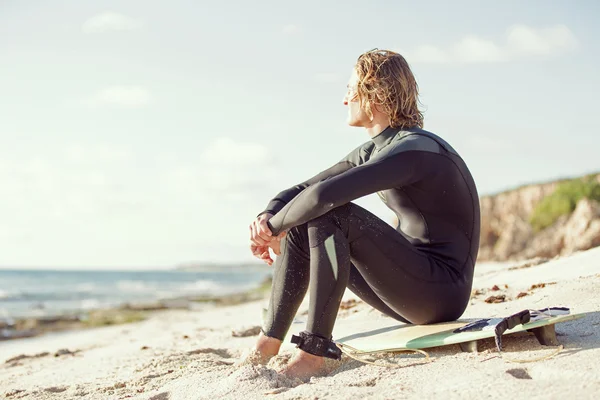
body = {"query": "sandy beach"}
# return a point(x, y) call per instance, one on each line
point(179, 354)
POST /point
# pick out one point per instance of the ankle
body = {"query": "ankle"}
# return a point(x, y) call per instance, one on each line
point(267, 346)
point(309, 358)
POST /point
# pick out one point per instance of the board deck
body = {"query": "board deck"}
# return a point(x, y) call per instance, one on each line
point(426, 336)
point(386, 333)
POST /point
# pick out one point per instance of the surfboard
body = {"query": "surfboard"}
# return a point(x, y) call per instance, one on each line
point(387, 334)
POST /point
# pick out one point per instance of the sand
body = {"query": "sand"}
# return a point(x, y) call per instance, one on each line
point(191, 354)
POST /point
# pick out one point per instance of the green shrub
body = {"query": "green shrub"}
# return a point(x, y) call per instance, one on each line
point(563, 201)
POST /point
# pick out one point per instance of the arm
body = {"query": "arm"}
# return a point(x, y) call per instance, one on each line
point(280, 200)
point(394, 171)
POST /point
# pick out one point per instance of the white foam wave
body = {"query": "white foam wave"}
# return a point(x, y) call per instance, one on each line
point(90, 304)
point(134, 286)
point(208, 287)
point(5, 295)
point(203, 286)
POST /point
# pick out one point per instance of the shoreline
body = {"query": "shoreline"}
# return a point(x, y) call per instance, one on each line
point(14, 328)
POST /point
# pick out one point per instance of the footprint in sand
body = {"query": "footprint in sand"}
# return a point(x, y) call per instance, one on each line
point(20, 357)
point(519, 373)
point(161, 396)
point(56, 389)
point(13, 392)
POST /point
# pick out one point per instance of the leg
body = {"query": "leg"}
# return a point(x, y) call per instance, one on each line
point(290, 283)
point(397, 279)
point(361, 288)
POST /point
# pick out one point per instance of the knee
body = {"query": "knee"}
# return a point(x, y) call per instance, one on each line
point(332, 223)
point(336, 216)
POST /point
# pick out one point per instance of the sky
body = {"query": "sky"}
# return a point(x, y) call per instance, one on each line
point(146, 134)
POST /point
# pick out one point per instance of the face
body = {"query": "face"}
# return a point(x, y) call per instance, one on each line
point(356, 115)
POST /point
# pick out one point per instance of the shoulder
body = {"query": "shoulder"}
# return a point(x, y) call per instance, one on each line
point(412, 143)
point(420, 140)
point(360, 154)
point(415, 142)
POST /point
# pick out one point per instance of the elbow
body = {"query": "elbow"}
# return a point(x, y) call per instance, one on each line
point(322, 198)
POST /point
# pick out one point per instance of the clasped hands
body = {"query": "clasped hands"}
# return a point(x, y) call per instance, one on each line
point(261, 239)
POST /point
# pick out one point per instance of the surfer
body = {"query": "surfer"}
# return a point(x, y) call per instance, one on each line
point(421, 272)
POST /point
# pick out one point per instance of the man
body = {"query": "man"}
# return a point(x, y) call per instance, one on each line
point(419, 273)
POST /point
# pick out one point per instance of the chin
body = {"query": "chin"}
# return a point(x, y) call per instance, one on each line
point(352, 121)
point(355, 123)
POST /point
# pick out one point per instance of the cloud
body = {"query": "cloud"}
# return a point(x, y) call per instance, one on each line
point(122, 96)
point(110, 21)
point(78, 204)
point(226, 169)
point(43, 189)
point(290, 29)
point(520, 41)
point(525, 40)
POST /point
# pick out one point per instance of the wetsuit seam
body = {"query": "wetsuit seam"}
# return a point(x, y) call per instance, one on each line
point(399, 143)
point(325, 308)
point(420, 213)
point(284, 255)
point(472, 213)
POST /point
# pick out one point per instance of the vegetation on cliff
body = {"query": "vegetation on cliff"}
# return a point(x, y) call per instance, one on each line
point(563, 201)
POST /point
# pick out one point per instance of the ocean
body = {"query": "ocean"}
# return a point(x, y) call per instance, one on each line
point(40, 293)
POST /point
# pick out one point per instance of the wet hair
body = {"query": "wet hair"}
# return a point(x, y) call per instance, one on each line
point(386, 82)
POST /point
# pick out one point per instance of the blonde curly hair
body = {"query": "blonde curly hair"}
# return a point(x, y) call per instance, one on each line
point(386, 82)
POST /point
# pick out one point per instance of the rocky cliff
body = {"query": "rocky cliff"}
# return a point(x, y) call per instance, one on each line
point(506, 232)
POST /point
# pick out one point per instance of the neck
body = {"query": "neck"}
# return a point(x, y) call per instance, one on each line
point(375, 127)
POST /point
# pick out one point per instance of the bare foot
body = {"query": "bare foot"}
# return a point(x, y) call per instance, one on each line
point(305, 365)
point(265, 348)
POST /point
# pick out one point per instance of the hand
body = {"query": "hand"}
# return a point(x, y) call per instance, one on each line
point(261, 239)
point(276, 244)
point(262, 252)
point(260, 234)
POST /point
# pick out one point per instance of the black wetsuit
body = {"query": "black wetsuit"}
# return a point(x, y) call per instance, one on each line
point(419, 273)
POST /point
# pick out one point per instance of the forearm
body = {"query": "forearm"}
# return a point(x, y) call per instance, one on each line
point(285, 197)
point(324, 196)
point(281, 199)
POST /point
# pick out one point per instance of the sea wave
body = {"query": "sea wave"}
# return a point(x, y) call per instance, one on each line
point(208, 287)
point(135, 286)
point(6, 295)
point(86, 287)
point(59, 292)
point(90, 304)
